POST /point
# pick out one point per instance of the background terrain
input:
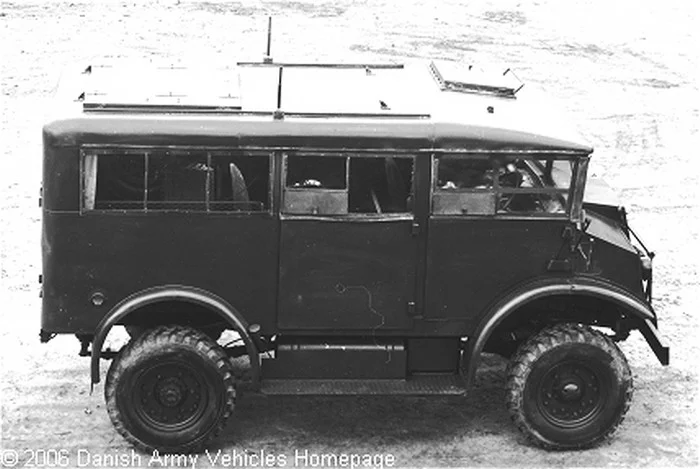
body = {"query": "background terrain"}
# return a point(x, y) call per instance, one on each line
point(625, 70)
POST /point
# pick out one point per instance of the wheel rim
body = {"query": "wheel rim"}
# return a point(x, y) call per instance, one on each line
point(571, 394)
point(170, 396)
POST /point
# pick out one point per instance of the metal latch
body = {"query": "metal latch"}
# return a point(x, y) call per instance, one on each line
point(412, 310)
point(415, 228)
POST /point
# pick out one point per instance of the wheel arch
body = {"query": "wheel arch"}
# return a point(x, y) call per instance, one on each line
point(170, 293)
point(575, 290)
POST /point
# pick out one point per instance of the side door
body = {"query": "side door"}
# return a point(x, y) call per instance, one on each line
point(495, 221)
point(348, 253)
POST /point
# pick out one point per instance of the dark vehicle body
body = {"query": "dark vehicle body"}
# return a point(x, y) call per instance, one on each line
point(386, 277)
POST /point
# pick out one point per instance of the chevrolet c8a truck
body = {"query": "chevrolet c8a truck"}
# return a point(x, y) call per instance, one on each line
point(359, 229)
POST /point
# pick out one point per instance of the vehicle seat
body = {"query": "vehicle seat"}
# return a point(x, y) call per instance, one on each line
point(238, 187)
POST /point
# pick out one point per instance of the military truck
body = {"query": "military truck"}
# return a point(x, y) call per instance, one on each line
point(358, 229)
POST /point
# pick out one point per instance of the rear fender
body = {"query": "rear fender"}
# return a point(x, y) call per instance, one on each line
point(170, 293)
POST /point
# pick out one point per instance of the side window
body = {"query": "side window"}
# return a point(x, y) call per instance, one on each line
point(240, 182)
point(458, 173)
point(381, 185)
point(176, 180)
point(315, 184)
point(531, 185)
point(346, 184)
point(500, 184)
point(114, 181)
point(463, 186)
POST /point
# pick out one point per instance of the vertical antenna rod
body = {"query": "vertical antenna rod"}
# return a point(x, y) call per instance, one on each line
point(268, 58)
point(279, 114)
point(279, 90)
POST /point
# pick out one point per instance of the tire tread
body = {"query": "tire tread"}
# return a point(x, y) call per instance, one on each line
point(150, 343)
point(538, 345)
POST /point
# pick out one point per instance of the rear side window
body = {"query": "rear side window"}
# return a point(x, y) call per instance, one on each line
point(500, 185)
point(176, 180)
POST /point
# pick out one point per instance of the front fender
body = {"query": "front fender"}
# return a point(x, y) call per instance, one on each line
point(575, 286)
point(179, 293)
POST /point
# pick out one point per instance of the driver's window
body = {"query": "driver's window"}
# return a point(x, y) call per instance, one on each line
point(482, 184)
point(455, 174)
point(463, 186)
point(531, 185)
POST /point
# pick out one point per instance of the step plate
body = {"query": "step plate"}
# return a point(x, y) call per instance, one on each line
point(447, 385)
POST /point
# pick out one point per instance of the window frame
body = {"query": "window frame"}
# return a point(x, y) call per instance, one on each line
point(497, 191)
point(347, 156)
point(210, 152)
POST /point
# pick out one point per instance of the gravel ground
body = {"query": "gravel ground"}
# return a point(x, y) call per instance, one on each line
point(627, 73)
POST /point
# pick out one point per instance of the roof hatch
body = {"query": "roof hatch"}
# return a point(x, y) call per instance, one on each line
point(452, 76)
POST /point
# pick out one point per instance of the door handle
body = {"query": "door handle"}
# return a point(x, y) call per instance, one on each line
point(415, 228)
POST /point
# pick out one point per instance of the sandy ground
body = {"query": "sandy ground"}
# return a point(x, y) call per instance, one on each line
point(625, 70)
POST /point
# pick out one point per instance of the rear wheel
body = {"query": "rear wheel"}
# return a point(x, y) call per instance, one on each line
point(568, 387)
point(170, 389)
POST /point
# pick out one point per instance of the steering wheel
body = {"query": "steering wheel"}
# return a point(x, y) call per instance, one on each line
point(510, 179)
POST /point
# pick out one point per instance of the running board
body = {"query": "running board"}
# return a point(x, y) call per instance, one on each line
point(441, 385)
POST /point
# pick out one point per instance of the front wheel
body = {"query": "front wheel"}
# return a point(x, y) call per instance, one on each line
point(568, 387)
point(170, 389)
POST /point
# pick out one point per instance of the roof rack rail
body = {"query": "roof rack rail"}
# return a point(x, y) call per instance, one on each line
point(322, 65)
point(461, 83)
point(360, 115)
point(160, 108)
point(233, 110)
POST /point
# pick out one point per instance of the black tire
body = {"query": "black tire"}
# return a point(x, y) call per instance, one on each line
point(170, 389)
point(568, 387)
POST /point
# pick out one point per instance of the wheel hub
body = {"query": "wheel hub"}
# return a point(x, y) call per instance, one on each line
point(169, 395)
point(170, 392)
point(570, 394)
point(570, 390)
